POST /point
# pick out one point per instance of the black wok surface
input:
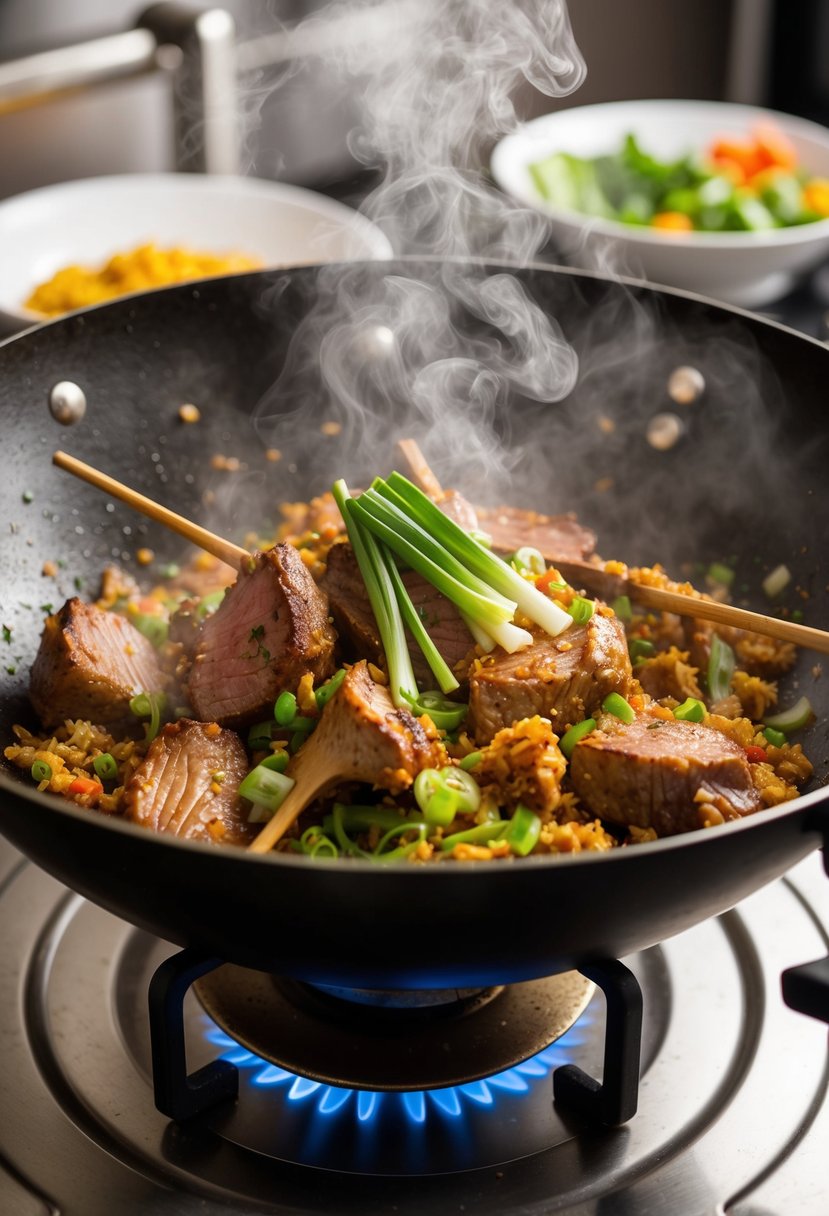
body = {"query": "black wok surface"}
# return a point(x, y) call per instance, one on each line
point(746, 485)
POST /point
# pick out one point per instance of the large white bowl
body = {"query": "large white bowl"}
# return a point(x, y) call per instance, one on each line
point(85, 222)
point(746, 268)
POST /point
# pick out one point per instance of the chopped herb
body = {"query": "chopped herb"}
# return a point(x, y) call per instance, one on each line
point(27, 496)
point(256, 633)
point(47, 608)
point(78, 582)
point(653, 726)
point(11, 671)
point(7, 633)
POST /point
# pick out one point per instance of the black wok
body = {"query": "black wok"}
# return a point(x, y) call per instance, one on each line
point(746, 484)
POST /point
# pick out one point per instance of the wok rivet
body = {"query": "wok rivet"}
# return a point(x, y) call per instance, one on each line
point(67, 402)
point(664, 430)
point(685, 384)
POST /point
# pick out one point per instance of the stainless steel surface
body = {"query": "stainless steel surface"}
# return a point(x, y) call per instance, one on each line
point(733, 1108)
point(67, 402)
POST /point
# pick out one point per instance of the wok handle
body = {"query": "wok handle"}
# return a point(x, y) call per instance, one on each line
point(806, 988)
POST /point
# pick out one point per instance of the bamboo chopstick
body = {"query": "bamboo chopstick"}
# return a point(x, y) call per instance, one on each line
point(225, 550)
point(608, 586)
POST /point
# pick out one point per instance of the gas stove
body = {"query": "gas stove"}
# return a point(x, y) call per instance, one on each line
point(733, 1108)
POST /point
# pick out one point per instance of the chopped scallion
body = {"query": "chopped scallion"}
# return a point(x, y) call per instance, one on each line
point(523, 831)
point(640, 649)
point(621, 607)
point(446, 715)
point(614, 703)
point(528, 559)
point(326, 691)
point(721, 664)
point(776, 581)
point(105, 766)
point(41, 771)
point(572, 736)
point(580, 609)
point(792, 719)
point(265, 787)
point(691, 710)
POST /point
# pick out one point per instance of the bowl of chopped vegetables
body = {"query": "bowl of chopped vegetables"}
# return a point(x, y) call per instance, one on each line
point(728, 200)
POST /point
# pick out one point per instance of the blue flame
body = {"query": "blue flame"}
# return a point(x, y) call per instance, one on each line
point(418, 1105)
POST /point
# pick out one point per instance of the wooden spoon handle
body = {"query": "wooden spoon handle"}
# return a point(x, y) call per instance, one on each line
point(225, 550)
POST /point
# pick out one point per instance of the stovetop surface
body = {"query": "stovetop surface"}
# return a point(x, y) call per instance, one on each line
point(733, 1114)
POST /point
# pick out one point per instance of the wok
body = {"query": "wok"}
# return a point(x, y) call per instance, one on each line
point(746, 484)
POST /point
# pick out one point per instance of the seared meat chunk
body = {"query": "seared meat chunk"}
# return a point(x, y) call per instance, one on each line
point(270, 629)
point(667, 775)
point(188, 784)
point(354, 620)
point(90, 664)
point(555, 536)
point(564, 678)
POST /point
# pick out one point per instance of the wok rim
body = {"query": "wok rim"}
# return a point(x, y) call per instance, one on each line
point(98, 820)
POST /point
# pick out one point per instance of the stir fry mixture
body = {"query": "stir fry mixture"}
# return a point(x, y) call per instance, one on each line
point(749, 185)
point(470, 703)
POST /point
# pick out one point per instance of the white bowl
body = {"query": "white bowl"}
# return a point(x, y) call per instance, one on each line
point(85, 222)
point(746, 268)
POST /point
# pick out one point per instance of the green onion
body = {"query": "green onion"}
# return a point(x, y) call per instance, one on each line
point(105, 766)
point(276, 761)
point(528, 559)
point(154, 628)
point(572, 736)
point(437, 664)
point(446, 715)
point(382, 597)
point(776, 581)
point(621, 607)
point(41, 771)
point(341, 835)
point(356, 819)
point(580, 609)
point(523, 831)
point(443, 793)
point(721, 664)
point(720, 573)
point(284, 709)
point(260, 735)
point(324, 694)
point(170, 570)
point(266, 788)
point(208, 604)
point(691, 710)
point(482, 833)
point(483, 538)
point(404, 850)
point(775, 737)
point(614, 703)
point(149, 705)
point(471, 761)
point(496, 574)
point(315, 843)
point(793, 718)
point(639, 649)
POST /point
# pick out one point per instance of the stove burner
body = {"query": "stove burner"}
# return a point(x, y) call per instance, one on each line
point(426, 1043)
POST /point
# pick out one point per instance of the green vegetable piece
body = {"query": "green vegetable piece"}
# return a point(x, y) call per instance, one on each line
point(775, 737)
point(482, 833)
point(105, 766)
point(149, 705)
point(581, 609)
point(470, 761)
point(691, 710)
point(260, 735)
point(154, 628)
point(284, 709)
point(446, 715)
point(720, 573)
point(792, 719)
point(529, 559)
point(324, 694)
point(639, 649)
point(523, 831)
point(41, 771)
point(266, 787)
point(572, 736)
point(621, 606)
point(614, 703)
point(721, 666)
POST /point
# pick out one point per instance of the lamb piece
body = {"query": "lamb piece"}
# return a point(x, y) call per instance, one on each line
point(354, 620)
point(667, 775)
point(269, 631)
point(90, 664)
point(555, 536)
point(188, 784)
point(565, 678)
point(459, 510)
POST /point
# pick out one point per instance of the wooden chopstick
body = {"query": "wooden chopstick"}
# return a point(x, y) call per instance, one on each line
point(225, 550)
point(609, 586)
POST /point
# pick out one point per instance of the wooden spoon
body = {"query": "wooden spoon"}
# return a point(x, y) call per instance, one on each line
point(598, 581)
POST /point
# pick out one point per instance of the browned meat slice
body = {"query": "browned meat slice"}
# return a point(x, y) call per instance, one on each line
point(564, 678)
point(556, 536)
point(458, 509)
point(90, 664)
point(270, 629)
point(354, 620)
point(188, 784)
point(669, 776)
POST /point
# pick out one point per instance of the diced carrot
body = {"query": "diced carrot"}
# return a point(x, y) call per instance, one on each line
point(549, 576)
point(672, 221)
point(730, 168)
point(773, 147)
point(741, 152)
point(816, 195)
point(84, 785)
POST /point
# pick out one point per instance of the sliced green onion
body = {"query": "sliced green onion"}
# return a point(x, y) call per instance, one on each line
point(523, 831)
point(776, 581)
point(41, 771)
point(691, 710)
point(446, 715)
point(482, 833)
point(341, 835)
point(324, 693)
point(154, 628)
point(621, 607)
point(529, 559)
point(437, 802)
point(775, 737)
point(382, 598)
point(276, 761)
point(720, 573)
point(315, 843)
point(284, 709)
point(721, 664)
point(470, 761)
point(793, 718)
point(572, 736)
point(614, 703)
point(266, 789)
point(404, 850)
point(356, 819)
point(260, 735)
point(639, 649)
point(581, 609)
point(105, 766)
point(208, 604)
point(149, 705)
